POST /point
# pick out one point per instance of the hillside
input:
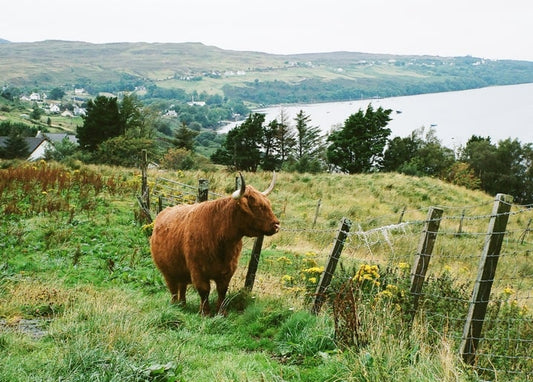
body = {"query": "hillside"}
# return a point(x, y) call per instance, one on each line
point(254, 77)
point(80, 298)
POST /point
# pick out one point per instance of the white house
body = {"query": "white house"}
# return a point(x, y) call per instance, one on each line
point(79, 110)
point(36, 146)
point(54, 108)
point(171, 114)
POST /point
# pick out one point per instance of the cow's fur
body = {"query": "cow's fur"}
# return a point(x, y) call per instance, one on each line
point(202, 242)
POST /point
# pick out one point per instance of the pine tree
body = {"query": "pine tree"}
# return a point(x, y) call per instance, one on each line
point(15, 147)
point(309, 145)
point(184, 137)
point(101, 122)
point(285, 137)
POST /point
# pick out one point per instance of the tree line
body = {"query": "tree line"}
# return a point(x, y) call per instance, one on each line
point(115, 131)
point(363, 144)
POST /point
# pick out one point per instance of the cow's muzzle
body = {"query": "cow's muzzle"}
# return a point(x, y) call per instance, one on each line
point(274, 229)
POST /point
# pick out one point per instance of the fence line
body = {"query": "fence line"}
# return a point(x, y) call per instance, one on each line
point(505, 345)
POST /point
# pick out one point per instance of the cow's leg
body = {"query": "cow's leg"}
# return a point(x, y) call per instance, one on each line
point(222, 289)
point(182, 290)
point(173, 287)
point(203, 287)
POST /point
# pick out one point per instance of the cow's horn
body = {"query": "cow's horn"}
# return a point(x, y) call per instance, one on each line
point(240, 192)
point(271, 187)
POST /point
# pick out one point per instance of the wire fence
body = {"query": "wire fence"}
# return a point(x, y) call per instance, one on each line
point(505, 348)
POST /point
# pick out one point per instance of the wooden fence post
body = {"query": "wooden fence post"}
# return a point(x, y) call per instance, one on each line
point(486, 271)
point(203, 190)
point(401, 214)
point(254, 263)
point(325, 278)
point(524, 234)
point(144, 179)
point(317, 211)
point(423, 256)
point(460, 229)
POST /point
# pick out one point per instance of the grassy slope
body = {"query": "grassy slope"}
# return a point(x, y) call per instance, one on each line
point(86, 276)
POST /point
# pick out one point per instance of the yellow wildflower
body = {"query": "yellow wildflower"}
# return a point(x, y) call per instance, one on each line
point(508, 290)
point(403, 266)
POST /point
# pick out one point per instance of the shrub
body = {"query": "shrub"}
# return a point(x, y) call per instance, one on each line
point(182, 159)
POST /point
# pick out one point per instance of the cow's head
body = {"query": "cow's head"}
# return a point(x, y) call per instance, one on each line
point(255, 210)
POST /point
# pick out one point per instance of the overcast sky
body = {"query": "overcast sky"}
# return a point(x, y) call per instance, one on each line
point(483, 28)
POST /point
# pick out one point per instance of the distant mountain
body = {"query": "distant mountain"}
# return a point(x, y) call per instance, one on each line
point(162, 69)
point(2, 41)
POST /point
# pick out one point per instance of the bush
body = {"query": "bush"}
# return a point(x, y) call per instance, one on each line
point(122, 151)
point(182, 159)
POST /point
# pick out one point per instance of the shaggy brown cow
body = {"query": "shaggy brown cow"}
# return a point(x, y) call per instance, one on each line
point(202, 242)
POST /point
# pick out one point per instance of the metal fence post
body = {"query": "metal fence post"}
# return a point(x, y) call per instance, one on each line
point(485, 277)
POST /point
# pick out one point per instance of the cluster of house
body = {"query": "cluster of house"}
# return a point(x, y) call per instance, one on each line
point(42, 142)
point(78, 111)
point(54, 108)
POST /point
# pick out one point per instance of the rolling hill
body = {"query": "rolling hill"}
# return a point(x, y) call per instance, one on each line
point(255, 77)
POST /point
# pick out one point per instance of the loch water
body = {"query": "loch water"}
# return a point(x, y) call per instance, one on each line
point(499, 112)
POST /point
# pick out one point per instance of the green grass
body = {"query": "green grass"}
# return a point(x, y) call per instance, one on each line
point(82, 273)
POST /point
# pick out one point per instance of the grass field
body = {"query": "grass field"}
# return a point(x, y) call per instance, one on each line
point(81, 300)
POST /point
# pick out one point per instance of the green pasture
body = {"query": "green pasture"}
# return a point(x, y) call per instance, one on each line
point(81, 300)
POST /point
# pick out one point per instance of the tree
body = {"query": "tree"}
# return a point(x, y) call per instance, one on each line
point(102, 121)
point(481, 155)
point(241, 149)
point(285, 137)
point(503, 168)
point(461, 174)
point(184, 137)
point(513, 173)
point(131, 117)
point(308, 138)
point(431, 159)
point(420, 154)
point(400, 151)
point(36, 112)
point(305, 146)
point(56, 93)
point(271, 157)
point(15, 147)
point(358, 146)
point(62, 150)
point(124, 151)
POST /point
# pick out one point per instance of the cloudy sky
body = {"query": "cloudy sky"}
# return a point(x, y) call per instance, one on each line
point(484, 28)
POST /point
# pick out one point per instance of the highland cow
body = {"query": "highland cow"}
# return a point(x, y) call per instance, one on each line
point(193, 244)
